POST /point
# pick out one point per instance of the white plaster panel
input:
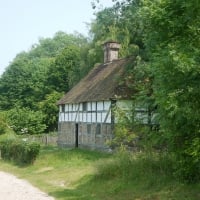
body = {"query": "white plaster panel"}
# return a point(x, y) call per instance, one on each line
point(99, 120)
point(70, 116)
point(81, 117)
point(66, 117)
point(93, 106)
point(62, 117)
point(125, 104)
point(89, 117)
point(78, 117)
point(108, 120)
point(81, 107)
point(59, 118)
point(73, 116)
point(100, 105)
point(103, 116)
point(77, 107)
point(107, 105)
point(70, 107)
point(93, 117)
point(84, 117)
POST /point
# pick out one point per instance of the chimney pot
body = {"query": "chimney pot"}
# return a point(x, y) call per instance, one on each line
point(111, 51)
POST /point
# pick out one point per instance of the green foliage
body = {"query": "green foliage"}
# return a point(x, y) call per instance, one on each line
point(148, 169)
point(172, 41)
point(134, 128)
point(19, 151)
point(124, 135)
point(119, 23)
point(65, 71)
point(54, 64)
point(166, 72)
point(26, 121)
point(3, 124)
point(33, 74)
point(23, 82)
point(88, 175)
point(50, 110)
point(163, 35)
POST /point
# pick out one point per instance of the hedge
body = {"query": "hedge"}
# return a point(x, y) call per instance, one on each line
point(19, 151)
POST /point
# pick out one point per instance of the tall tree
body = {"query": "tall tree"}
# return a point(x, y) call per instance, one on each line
point(52, 65)
point(119, 23)
point(64, 71)
point(173, 45)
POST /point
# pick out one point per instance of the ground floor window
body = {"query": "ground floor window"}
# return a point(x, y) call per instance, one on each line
point(98, 129)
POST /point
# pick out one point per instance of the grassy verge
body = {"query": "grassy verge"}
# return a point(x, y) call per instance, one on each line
point(88, 175)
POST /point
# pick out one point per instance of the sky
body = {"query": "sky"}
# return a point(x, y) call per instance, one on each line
point(23, 22)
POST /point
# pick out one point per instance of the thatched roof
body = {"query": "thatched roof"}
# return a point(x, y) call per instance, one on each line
point(101, 83)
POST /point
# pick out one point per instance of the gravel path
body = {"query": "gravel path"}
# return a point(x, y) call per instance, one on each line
point(13, 188)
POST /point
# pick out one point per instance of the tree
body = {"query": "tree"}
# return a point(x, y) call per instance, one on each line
point(119, 23)
point(50, 109)
point(52, 65)
point(23, 82)
point(64, 72)
point(173, 45)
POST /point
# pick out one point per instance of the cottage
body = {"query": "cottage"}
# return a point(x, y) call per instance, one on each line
point(86, 117)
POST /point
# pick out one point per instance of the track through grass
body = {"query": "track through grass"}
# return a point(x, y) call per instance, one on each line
point(90, 175)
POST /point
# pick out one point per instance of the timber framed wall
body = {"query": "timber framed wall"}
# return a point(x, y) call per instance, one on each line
point(92, 122)
point(88, 112)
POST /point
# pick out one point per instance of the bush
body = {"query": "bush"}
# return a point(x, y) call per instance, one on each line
point(26, 121)
point(19, 151)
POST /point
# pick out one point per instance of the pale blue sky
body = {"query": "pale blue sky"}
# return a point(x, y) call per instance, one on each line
point(22, 22)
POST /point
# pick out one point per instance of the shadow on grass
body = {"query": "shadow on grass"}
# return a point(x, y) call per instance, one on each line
point(91, 189)
point(102, 190)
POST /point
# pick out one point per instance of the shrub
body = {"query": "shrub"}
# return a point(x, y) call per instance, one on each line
point(19, 151)
point(26, 121)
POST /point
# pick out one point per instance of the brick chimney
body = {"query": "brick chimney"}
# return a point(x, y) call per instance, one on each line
point(111, 50)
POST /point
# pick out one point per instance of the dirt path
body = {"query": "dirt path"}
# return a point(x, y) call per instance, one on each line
point(13, 188)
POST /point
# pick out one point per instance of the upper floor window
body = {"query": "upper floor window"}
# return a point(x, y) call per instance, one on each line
point(84, 106)
point(62, 108)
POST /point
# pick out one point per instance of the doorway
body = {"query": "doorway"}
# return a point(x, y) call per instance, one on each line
point(76, 135)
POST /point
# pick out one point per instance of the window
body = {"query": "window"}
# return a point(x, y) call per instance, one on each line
point(84, 106)
point(98, 129)
point(62, 108)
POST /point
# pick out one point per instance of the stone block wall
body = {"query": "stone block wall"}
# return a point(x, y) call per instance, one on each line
point(90, 135)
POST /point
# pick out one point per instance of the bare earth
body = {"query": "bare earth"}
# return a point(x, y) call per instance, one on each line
point(13, 188)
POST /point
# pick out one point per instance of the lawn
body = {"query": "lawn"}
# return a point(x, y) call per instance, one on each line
point(90, 175)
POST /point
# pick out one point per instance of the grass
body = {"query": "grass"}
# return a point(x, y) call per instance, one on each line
point(89, 175)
